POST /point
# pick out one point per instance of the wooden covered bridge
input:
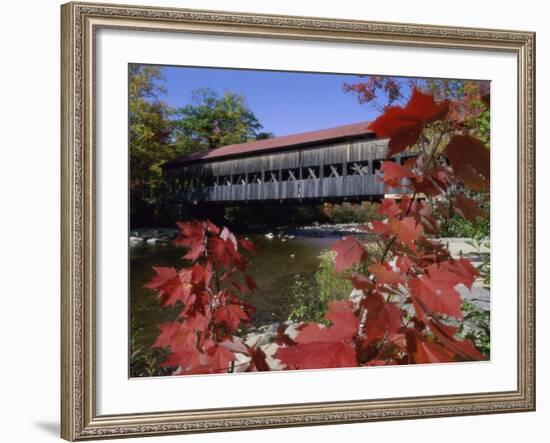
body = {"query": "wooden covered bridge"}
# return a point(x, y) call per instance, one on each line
point(335, 164)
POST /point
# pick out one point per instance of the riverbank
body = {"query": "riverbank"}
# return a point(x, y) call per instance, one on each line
point(457, 246)
point(164, 235)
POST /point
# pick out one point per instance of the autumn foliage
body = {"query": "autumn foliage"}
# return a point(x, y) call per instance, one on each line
point(202, 340)
point(409, 309)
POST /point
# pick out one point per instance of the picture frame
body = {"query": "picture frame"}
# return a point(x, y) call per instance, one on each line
point(81, 23)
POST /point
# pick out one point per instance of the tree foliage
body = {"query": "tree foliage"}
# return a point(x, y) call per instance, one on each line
point(202, 340)
point(468, 100)
point(150, 132)
point(214, 120)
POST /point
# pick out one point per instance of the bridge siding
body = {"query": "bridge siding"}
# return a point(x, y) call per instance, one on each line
point(313, 156)
point(319, 188)
point(356, 186)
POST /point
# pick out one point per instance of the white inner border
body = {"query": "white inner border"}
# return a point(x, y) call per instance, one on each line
point(116, 394)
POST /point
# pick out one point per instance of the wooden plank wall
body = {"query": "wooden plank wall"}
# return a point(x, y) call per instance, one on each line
point(207, 181)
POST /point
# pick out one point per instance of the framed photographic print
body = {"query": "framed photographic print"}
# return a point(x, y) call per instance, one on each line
point(281, 221)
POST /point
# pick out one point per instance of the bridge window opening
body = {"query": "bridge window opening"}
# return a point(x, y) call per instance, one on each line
point(225, 180)
point(357, 168)
point(239, 179)
point(291, 174)
point(271, 176)
point(376, 164)
point(311, 173)
point(334, 170)
point(254, 177)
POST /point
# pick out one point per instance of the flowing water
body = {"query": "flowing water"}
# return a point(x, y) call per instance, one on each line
point(274, 267)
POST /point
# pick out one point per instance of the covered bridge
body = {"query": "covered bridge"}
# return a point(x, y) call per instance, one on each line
point(334, 164)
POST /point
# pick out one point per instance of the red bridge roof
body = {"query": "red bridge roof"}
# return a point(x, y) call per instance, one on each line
point(355, 130)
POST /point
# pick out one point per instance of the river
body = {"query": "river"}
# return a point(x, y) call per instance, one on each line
point(276, 262)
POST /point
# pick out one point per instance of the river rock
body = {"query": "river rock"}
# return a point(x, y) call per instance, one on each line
point(241, 362)
point(292, 330)
point(270, 350)
point(356, 296)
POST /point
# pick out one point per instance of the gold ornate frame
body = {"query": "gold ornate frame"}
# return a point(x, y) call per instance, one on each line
point(79, 24)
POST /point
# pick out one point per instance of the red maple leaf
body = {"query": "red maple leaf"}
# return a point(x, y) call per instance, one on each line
point(224, 250)
point(250, 283)
point(423, 350)
point(432, 182)
point(470, 160)
point(324, 347)
point(383, 318)
point(385, 275)
point(183, 360)
point(349, 252)
point(164, 275)
point(435, 295)
point(214, 360)
point(191, 229)
point(344, 325)
point(258, 360)
point(361, 282)
point(380, 228)
point(247, 244)
point(423, 215)
point(192, 235)
point(211, 227)
point(170, 286)
point(197, 321)
point(467, 208)
point(389, 208)
point(202, 274)
point(219, 358)
point(318, 355)
point(404, 263)
point(394, 173)
point(167, 330)
point(231, 315)
point(406, 230)
point(465, 272)
point(403, 126)
point(174, 336)
point(464, 350)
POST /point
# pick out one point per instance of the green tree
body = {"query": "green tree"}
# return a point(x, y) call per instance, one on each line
point(150, 134)
point(213, 120)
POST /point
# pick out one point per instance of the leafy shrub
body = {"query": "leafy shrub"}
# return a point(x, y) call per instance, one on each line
point(348, 213)
point(311, 295)
point(477, 327)
point(457, 226)
point(258, 216)
point(147, 363)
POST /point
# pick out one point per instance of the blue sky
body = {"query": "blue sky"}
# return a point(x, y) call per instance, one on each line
point(284, 102)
